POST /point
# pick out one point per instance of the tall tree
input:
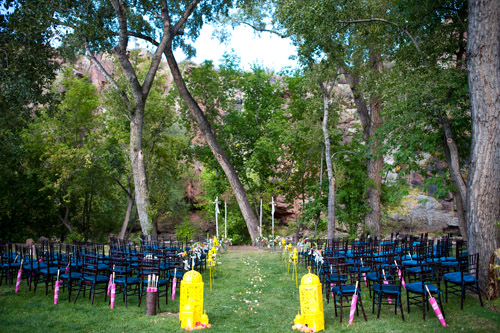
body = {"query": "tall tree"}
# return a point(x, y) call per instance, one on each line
point(326, 89)
point(170, 20)
point(164, 139)
point(355, 48)
point(106, 25)
point(483, 184)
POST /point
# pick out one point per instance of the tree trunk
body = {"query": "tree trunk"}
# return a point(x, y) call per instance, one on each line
point(483, 183)
point(205, 128)
point(320, 193)
point(328, 159)
point(126, 220)
point(462, 222)
point(372, 218)
point(64, 219)
point(139, 171)
point(456, 176)
point(451, 153)
point(371, 121)
point(130, 205)
point(375, 162)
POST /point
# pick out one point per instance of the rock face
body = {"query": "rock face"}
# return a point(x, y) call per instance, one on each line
point(426, 215)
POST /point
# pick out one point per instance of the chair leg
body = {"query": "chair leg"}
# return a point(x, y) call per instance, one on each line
point(335, 304)
point(441, 305)
point(92, 293)
point(35, 285)
point(166, 294)
point(401, 307)
point(140, 295)
point(479, 294)
point(462, 296)
point(379, 304)
point(70, 286)
point(408, 300)
point(424, 298)
point(341, 307)
point(362, 308)
point(78, 293)
point(446, 290)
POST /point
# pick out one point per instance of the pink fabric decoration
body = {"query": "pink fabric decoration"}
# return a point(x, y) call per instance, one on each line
point(436, 308)
point(56, 292)
point(353, 304)
point(113, 292)
point(18, 281)
point(174, 284)
point(110, 283)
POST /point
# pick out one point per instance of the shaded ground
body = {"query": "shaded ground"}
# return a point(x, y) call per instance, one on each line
point(244, 248)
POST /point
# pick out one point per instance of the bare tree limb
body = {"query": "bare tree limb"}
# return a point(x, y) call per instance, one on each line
point(266, 30)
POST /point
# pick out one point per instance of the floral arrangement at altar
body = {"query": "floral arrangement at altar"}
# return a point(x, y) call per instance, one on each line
point(226, 241)
point(272, 241)
point(261, 241)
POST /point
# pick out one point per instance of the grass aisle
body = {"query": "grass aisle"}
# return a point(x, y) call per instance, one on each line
point(252, 292)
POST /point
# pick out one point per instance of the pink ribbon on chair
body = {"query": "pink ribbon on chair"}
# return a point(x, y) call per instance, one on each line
point(400, 275)
point(364, 274)
point(174, 284)
point(113, 291)
point(436, 308)
point(353, 304)
point(56, 292)
point(19, 275)
point(109, 284)
point(386, 282)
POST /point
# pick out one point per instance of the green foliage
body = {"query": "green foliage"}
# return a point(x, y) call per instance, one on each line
point(185, 230)
point(27, 68)
point(214, 185)
point(68, 143)
point(96, 22)
point(351, 205)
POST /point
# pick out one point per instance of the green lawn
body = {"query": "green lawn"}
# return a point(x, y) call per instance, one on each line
point(252, 291)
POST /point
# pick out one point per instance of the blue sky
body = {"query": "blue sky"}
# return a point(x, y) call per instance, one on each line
point(268, 50)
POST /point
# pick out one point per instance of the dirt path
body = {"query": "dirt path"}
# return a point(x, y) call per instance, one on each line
point(244, 248)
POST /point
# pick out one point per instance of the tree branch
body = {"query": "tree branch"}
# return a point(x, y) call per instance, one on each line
point(104, 72)
point(414, 41)
point(187, 12)
point(122, 23)
point(266, 30)
point(454, 156)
